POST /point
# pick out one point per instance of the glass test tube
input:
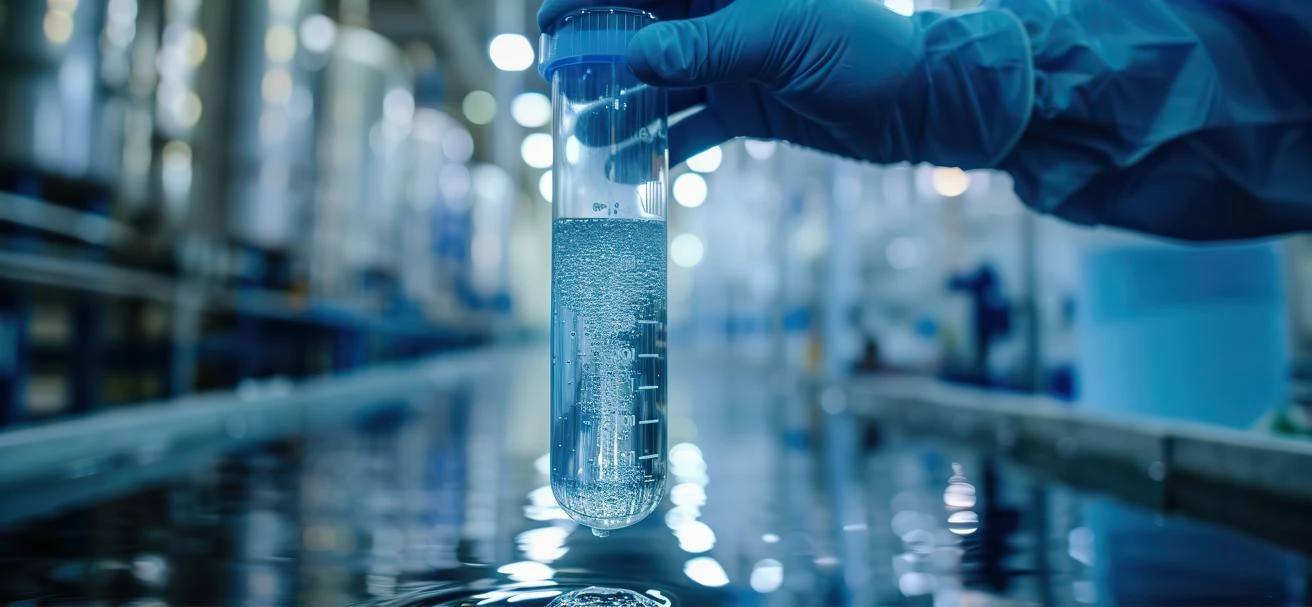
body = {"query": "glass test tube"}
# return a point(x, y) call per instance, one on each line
point(608, 273)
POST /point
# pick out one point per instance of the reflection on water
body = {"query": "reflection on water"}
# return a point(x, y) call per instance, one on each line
point(774, 500)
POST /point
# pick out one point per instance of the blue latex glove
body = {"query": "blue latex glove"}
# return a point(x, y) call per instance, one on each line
point(1190, 119)
point(842, 76)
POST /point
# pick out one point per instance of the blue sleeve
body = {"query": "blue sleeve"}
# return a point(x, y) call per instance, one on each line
point(1190, 119)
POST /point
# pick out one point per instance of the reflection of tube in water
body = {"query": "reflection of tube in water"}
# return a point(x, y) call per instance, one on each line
point(608, 434)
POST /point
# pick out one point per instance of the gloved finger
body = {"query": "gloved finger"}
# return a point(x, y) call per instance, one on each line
point(701, 51)
point(694, 135)
point(553, 10)
point(601, 123)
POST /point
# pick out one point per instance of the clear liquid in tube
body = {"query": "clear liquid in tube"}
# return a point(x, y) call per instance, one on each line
point(608, 426)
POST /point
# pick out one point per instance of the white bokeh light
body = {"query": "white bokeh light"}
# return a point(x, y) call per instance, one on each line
point(690, 190)
point(531, 110)
point(545, 186)
point(536, 150)
point(492, 182)
point(318, 33)
point(686, 251)
point(708, 161)
point(511, 52)
point(479, 107)
point(458, 145)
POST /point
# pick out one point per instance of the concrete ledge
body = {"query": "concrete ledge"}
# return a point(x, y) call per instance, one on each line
point(83, 459)
point(1244, 479)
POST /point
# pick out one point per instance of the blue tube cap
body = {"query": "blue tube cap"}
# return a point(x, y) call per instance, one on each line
point(592, 35)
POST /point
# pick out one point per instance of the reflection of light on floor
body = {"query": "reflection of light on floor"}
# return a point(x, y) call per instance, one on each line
point(527, 571)
point(679, 516)
point(959, 495)
point(904, 563)
point(906, 521)
point(1083, 591)
point(695, 536)
point(689, 495)
point(770, 538)
point(511, 590)
point(706, 571)
point(533, 595)
point(916, 583)
point(151, 569)
point(542, 506)
point(946, 558)
point(919, 541)
point(963, 523)
point(545, 544)
point(767, 576)
point(686, 458)
point(1080, 541)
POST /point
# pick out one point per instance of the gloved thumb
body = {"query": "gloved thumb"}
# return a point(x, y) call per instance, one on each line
point(696, 52)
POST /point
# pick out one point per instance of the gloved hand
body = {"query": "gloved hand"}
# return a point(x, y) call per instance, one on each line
point(848, 77)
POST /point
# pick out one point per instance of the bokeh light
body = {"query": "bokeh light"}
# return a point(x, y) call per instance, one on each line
point(690, 190)
point(708, 161)
point(686, 250)
point(479, 107)
point(536, 150)
point(531, 110)
point(511, 52)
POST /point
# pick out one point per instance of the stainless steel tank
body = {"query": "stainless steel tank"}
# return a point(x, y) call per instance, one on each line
point(424, 278)
point(273, 75)
point(63, 86)
point(367, 111)
point(235, 106)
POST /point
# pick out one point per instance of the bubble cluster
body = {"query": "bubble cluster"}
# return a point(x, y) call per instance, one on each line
point(608, 314)
point(608, 503)
point(596, 596)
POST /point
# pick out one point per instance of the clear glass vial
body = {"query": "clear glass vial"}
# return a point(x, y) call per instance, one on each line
point(608, 277)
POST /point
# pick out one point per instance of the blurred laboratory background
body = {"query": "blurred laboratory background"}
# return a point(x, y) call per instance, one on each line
point(274, 294)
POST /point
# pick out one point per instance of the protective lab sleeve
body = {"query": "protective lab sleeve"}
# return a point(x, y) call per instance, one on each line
point(1190, 119)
